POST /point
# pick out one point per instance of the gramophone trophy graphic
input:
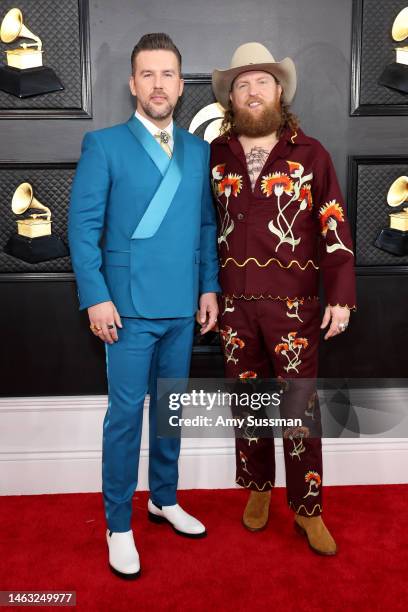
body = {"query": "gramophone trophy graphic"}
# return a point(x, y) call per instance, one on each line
point(34, 241)
point(395, 75)
point(24, 75)
point(394, 239)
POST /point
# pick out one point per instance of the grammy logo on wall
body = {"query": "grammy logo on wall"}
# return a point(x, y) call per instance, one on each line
point(213, 113)
point(24, 74)
point(33, 241)
point(394, 239)
point(395, 75)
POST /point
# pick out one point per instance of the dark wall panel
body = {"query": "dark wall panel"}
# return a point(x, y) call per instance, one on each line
point(47, 348)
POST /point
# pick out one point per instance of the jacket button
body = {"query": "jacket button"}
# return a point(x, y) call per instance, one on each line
point(240, 216)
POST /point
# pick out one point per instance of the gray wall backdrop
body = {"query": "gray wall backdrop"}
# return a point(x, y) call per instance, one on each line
point(317, 35)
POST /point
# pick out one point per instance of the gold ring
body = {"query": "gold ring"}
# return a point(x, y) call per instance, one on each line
point(95, 328)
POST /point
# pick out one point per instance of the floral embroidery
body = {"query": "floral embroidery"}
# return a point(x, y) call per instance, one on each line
point(314, 480)
point(244, 461)
point(228, 305)
point(248, 374)
point(295, 186)
point(277, 183)
point(281, 348)
point(290, 348)
point(331, 209)
point(294, 304)
point(232, 183)
point(225, 187)
point(231, 343)
point(249, 437)
point(218, 172)
point(306, 194)
point(296, 435)
point(331, 214)
point(295, 168)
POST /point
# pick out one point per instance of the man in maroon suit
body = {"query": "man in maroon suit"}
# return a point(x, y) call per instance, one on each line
point(281, 222)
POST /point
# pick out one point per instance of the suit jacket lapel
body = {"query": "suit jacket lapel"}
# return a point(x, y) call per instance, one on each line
point(162, 199)
point(149, 143)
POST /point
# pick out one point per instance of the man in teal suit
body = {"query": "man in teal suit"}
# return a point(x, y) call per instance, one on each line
point(142, 235)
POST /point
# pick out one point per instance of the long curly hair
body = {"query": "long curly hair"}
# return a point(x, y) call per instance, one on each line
point(289, 120)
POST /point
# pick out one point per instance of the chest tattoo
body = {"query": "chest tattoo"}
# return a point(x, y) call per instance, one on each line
point(255, 160)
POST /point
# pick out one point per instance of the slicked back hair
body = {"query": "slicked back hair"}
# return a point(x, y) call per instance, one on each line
point(153, 42)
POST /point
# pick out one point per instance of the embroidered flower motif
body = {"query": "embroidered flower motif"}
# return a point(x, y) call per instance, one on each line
point(299, 192)
point(228, 305)
point(248, 374)
point(330, 215)
point(290, 348)
point(296, 432)
point(249, 439)
point(305, 195)
point(231, 184)
point(218, 171)
point(301, 342)
point(278, 182)
point(294, 305)
point(244, 460)
point(314, 480)
point(330, 210)
point(231, 343)
point(225, 332)
point(310, 475)
point(281, 348)
point(225, 186)
point(296, 435)
point(295, 168)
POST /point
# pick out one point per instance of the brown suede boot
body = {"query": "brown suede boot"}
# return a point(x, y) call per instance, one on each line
point(319, 538)
point(256, 512)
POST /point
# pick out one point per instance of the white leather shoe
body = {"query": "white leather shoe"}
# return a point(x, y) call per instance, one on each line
point(123, 556)
point(182, 523)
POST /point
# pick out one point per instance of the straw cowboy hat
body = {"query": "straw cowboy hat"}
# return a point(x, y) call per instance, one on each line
point(254, 56)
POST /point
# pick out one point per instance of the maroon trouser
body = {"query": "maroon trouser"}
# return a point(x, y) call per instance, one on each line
point(257, 334)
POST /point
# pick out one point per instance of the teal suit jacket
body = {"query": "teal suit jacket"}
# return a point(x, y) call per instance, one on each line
point(151, 258)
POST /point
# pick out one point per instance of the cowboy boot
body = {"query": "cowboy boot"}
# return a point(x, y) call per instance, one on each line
point(319, 537)
point(256, 512)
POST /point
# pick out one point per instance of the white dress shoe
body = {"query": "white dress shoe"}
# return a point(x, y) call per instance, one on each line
point(123, 556)
point(182, 523)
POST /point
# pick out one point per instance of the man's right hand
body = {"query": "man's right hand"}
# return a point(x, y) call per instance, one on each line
point(103, 319)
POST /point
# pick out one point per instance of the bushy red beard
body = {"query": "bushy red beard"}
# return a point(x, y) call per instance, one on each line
point(246, 123)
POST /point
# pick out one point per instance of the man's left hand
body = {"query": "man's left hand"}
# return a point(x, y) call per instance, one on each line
point(208, 313)
point(339, 317)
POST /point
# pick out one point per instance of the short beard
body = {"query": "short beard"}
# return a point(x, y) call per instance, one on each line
point(266, 123)
point(151, 112)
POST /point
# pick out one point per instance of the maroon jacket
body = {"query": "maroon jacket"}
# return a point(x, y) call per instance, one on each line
point(273, 241)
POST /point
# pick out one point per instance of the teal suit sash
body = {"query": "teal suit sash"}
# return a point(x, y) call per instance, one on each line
point(170, 171)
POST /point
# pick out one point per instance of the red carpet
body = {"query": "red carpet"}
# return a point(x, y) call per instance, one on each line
point(57, 542)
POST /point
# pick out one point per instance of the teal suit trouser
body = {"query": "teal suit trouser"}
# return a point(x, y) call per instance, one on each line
point(147, 349)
